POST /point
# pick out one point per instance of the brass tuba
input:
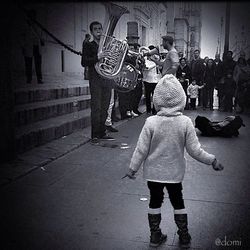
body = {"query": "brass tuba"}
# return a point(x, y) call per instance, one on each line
point(112, 53)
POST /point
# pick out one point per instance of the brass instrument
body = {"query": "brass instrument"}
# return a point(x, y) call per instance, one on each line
point(112, 53)
point(143, 50)
point(147, 52)
point(127, 79)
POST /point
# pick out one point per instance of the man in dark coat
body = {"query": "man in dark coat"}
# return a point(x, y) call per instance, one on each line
point(183, 74)
point(100, 88)
point(228, 63)
point(219, 83)
point(197, 71)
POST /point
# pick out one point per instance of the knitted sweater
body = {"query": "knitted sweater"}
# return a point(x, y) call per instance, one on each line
point(161, 144)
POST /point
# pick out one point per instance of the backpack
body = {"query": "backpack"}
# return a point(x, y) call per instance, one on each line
point(226, 128)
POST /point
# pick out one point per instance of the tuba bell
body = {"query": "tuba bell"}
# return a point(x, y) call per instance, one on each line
point(112, 53)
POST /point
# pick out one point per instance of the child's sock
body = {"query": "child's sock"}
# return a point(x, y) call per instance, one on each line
point(180, 211)
point(154, 210)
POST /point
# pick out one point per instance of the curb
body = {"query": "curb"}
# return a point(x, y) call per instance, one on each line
point(42, 164)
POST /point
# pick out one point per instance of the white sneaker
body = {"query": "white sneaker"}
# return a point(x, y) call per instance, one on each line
point(129, 113)
point(134, 114)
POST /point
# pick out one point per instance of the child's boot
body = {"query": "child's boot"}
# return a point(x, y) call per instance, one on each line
point(182, 224)
point(156, 238)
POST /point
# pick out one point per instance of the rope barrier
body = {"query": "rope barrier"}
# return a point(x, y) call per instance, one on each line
point(50, 34)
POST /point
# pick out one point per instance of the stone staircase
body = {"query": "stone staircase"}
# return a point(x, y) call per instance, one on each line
point(44, 112)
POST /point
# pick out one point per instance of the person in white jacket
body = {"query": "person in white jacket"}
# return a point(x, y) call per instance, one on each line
point(151, 75)
point(160, 149)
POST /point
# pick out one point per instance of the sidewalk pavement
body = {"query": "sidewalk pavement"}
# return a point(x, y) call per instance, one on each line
point(79, 201)
point(41, 156)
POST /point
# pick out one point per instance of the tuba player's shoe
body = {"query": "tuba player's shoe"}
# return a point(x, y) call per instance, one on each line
point(111, 129)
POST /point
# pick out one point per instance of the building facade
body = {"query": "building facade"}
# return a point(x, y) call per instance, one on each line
point(69, 22)
point(187, 27)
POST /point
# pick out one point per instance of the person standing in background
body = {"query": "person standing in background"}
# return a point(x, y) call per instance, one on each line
point(209, 82)
point(137, 92)
point(197, 71)
point(183, 74)
point(151, 75)
point(230, 87)
point(205, 60)
point(129, 101)
point(86, 69)
point(31, 43)
point(241, 77)
point(219, 80)
point(228, 63)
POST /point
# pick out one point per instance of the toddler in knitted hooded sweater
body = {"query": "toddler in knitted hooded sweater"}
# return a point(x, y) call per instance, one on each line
point(160, 150)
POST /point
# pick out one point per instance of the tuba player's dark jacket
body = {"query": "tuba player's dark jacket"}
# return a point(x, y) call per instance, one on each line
point(89, 58)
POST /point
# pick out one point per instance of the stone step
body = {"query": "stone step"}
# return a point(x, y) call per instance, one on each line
point(39, 133)
point(49, 92)
point(33, 112)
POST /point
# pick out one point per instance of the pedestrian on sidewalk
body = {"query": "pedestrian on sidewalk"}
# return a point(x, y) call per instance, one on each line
point(160, 149)
point(100, 88)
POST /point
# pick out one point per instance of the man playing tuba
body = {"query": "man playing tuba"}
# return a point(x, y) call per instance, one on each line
point(100, 88)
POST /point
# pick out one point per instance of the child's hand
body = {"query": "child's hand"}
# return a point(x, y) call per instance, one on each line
point(130, 174)
point(217, 165)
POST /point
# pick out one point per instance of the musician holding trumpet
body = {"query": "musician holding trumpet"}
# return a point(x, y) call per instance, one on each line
point(171, 62)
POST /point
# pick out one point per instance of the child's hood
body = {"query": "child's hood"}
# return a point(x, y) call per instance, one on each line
point(169, 96)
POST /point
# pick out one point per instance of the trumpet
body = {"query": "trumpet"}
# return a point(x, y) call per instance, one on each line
point(147, 52)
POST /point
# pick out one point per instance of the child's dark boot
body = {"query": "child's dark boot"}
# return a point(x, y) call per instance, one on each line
point(182, 224)
point(156, 238)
